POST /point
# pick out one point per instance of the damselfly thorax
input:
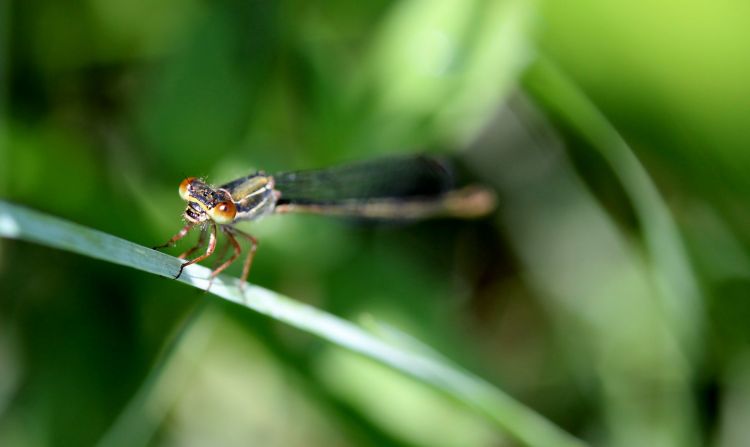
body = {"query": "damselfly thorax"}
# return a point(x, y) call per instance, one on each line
point(389, 188)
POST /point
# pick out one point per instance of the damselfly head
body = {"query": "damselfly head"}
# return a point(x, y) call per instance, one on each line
point(206, 203)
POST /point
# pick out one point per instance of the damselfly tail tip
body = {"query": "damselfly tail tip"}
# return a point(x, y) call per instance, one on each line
point(470, 202)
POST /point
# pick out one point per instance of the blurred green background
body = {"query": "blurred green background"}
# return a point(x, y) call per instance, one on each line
point(621, 316)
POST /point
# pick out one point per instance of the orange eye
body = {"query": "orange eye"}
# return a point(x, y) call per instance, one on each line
point(184, 187)
point(224, 212)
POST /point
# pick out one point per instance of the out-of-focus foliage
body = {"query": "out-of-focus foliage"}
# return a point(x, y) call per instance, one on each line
point(624, 323)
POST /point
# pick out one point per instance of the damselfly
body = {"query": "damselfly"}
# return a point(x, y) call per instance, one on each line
point(414, 187)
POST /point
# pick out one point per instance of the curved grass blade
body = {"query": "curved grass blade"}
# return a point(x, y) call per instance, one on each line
point(507, 414)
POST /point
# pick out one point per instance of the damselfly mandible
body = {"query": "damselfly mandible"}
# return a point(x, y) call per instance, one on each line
point(400, 188)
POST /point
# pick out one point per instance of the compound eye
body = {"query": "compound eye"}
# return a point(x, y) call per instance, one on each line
point(184, 193)
point(224, 212)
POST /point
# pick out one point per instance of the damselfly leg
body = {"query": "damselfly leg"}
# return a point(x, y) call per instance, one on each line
point(209, 250)
point(218, 263)
point(198, 245)
point(231, 234)
point(211, 230)
point(219, 257)
point(235, 253)
point(250, 254)
point(180, 234)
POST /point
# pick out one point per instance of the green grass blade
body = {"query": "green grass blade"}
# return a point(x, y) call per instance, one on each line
point(680, 293)
point(503, 411)
point(677, 315)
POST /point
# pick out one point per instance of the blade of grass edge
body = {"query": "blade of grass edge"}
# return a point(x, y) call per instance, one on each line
point(509, 415)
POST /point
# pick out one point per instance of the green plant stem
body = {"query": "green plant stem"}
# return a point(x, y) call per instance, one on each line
point(510, 416)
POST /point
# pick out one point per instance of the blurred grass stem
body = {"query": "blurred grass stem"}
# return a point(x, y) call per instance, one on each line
point(675, 278)
point(4, 90)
